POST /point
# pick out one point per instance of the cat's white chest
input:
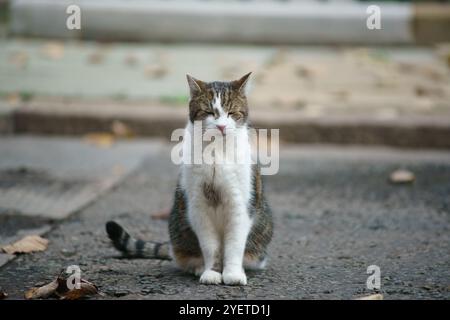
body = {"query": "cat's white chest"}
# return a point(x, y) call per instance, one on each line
point(229, 176)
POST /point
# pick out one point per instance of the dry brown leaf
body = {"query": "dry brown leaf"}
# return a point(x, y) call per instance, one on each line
point(13, 99)
point(20, 59)
point(96, 57)
point(42, 292)
point(406, 67)
point(443, 51)
point(53, 50)
point(161, 215)
point(131, 60)
point(377, 296)
point(402, 176)
point(121, 130)
point(230, 71)
point(342, 95)
point(86, 289)
point(28, 244)
point(421, 91)
point(155, 71)
point(100, 139)
point(304, 72)
point(59, 288)
point(279, 57)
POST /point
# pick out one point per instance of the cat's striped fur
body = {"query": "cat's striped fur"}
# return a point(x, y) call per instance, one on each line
point(136, 248)
point(220, 222)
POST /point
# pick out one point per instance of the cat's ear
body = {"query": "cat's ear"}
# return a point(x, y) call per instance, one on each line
point(195, 85)
point(242, 84)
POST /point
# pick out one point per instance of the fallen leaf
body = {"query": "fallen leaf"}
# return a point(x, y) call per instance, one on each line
point(428, 91)
point(230, 71)
point(13, 99)
point(371, 297)
point(26, 245)
point(155, 71)
point(96, 57)
point(86, 289)
point(161, 215)
point(402, 176)
point(59, 288)
point(42, 292)
point(433, 73)
point(20, 59)
point(100, 139)
point(53, 50)
point(131, 60)
point(3, 295)
point(443, 51)
point(406, 67)
point(341, 94)
point(278, 57)
point(304, 72)
point(310, 71)
point(121, 130)
point(65, 293)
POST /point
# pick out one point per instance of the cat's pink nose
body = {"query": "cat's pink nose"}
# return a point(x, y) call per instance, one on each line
point(221, 128)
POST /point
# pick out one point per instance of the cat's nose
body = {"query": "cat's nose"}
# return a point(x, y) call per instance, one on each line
point(221, 128)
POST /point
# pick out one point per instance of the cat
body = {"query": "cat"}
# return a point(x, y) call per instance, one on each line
point(220, 223)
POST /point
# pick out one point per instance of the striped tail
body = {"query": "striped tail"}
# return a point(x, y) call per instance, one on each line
point(136, 248)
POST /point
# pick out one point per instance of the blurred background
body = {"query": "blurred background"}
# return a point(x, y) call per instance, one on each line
point(318, 71)
point(364, 119)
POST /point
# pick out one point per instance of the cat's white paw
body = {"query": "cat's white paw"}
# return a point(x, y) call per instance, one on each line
point(211, 277)
point(234, 278)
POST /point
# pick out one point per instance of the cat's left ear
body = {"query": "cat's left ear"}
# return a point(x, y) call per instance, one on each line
point(195, 85)
point(242, 83)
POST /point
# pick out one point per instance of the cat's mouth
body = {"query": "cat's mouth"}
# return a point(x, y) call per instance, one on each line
point(216, 132)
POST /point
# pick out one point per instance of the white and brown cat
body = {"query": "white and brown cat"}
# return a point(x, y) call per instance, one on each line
point(220, 223)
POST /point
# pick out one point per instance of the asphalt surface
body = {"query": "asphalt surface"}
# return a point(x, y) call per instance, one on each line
point(335, 214)
point(46, 179)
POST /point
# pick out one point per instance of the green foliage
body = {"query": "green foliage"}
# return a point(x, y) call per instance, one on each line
point(176, 99)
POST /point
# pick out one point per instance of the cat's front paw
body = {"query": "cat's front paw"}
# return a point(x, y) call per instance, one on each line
point(211, 277)
point(234, 278)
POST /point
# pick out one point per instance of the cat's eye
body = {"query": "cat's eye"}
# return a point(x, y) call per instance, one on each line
point(236, 115)
point(207, 112)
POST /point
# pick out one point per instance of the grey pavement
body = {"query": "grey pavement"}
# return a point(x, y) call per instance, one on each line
point(335, 214)
point(43, 180)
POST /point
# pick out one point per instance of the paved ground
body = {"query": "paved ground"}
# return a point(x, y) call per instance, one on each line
point(335, 214)
point(43, 180)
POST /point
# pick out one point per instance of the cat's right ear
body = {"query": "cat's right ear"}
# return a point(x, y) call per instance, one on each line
point(195, 85)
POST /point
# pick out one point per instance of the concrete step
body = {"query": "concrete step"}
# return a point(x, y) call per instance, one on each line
point(160, 121)
point(277, 22)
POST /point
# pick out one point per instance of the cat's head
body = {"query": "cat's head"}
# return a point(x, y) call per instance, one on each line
point(219, 105)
